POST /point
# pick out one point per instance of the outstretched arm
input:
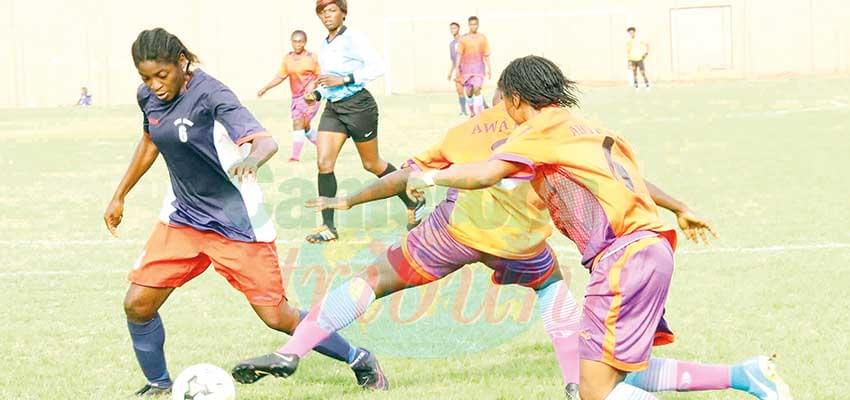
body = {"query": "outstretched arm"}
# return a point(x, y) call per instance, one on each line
point(692, 225)
point(478, 175)
point(383, 188)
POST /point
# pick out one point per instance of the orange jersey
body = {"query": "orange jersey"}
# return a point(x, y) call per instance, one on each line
point(508, 220)
point(472, 48)
point(587, 176)
point(301, 69)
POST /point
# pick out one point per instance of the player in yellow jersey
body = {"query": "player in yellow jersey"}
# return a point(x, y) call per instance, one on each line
point(302, 68)
point(503, 227)
point(636, 51)
point(596, 196)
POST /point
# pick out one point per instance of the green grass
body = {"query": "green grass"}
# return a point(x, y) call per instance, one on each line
point(764, 160)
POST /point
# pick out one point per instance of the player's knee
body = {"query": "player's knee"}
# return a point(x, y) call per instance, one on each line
point(325, 165)
point(138, 310)
point(281, 323)
point(373, 166)
point(591, 389)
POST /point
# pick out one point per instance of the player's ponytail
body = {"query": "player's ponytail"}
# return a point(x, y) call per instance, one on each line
point(538, 82)
point(159, 45)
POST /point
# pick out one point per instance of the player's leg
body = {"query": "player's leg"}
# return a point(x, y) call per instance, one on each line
point(373, 163)
point(310, 130)
point(299, 137)
point(461, 96)
point(634, 67)
point(642, 68)
point(477, 99)
point(756, 376)
point(623, 308)
point(427, 254)
point(253, 269)
point(171, 258)
point(331, 137)
point(148, 335)
point(556, 304)
point(468, 87)
point(361, 120)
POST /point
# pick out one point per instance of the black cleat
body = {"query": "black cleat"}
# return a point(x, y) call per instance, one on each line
point(274, 364)
point(415, 215)
point(322, 234)
point(368, 372)
point(153, 391)
point(571, 391)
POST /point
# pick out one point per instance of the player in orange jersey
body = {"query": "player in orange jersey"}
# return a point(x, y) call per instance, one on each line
point(472, 65)
point(301, 67)
point(589, 179)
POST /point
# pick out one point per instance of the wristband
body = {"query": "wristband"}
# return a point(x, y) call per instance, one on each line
point(428, 178)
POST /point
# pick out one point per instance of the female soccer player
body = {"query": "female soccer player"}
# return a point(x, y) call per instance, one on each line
point(213, 212)
point(589, 179)
point(510, 238)
point(301, 67)
point(348, 63)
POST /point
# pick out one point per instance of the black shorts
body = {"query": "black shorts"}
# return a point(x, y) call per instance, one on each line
point(636, 64)
point(355, 116)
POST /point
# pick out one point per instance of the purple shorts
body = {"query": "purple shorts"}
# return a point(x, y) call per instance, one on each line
point(302, 111)
point(472, 81)
point(624, 302)
point(429, 253)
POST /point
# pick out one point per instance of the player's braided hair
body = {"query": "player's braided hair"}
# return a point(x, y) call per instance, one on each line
point(539, 82)
point(159, 45)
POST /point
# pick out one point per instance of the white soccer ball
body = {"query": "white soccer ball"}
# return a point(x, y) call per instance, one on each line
point(203, 382)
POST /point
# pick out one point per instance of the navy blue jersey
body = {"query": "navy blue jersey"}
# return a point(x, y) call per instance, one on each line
point(201, 133)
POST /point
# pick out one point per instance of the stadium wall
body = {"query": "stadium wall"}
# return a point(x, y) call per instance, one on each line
point(51, 48)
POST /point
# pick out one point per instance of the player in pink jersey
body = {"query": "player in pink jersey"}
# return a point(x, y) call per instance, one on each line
point(472, 64)
point(301, 67)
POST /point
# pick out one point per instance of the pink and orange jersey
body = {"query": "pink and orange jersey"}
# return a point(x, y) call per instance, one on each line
point(587, 176)
point(508, 220)
point(301, 70)
point(472, 48)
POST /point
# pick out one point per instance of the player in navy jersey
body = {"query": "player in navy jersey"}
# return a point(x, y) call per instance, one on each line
point(213, 212)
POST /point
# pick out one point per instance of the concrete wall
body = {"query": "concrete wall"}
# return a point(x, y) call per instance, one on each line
point(50, 48)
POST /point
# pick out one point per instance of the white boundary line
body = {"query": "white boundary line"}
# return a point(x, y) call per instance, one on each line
point(560, 249)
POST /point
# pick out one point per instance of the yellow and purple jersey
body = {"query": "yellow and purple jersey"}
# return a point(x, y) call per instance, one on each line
point(472, 48)
point(587, 176)
point(301, 70)
point(506, 221)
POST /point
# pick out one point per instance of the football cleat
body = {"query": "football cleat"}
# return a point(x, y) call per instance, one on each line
point(274, 364)
point(763, 381)
point(368, 372)
point(323, 234)
point(571, 391)
point(153, 391)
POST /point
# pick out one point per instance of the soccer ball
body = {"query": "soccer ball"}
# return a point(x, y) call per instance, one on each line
point(203, 382)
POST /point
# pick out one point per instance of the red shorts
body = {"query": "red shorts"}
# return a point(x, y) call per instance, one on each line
point(175, 255)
